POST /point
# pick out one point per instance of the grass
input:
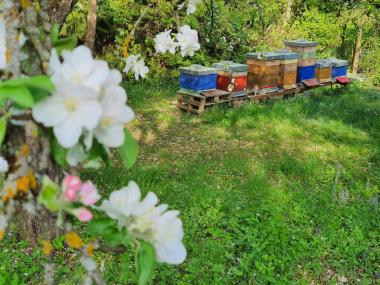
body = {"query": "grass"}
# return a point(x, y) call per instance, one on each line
point(256, 190)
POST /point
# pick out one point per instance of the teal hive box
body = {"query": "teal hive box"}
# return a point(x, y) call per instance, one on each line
point(197, 77)
point(303, 43)
point(264, 55)
point(230, 66)
point(287, 55)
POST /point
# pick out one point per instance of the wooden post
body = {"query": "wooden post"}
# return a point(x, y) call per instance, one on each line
point(357, 51)
point(91, 25)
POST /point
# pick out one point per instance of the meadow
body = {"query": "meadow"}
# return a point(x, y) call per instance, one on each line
point(282, 192)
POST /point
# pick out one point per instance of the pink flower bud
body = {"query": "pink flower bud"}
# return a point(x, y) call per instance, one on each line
point(71, 186)
point(88, 194)
point(83, 214)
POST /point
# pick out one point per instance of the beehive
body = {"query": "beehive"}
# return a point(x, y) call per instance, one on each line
point(339, 67)
point(288, 69)
point(307, 57)
point(301, 46)
point(323, 70)
point(232, 77)
point(263, 70)
point(197, 78)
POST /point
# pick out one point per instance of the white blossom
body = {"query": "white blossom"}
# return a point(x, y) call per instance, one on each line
point(192, 6)
point(70, 110)
point(3, 165)
point(164, 42)
point(188, 40)
point(110, 131)
point(76, 155)
point(144, 220)
point(136, 65)
point(79, 67)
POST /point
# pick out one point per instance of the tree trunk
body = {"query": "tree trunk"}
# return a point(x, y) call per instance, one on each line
point(59, 9)
point(357, 51)
point(41, 226)
point(91, 25)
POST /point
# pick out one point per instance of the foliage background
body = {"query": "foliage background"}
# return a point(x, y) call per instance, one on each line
point(229, 29)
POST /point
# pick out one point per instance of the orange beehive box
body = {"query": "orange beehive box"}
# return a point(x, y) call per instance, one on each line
point(263, 70)
point(323, 70)
point(288, 69)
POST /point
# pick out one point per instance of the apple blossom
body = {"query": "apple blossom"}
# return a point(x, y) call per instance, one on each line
point(144, 220)
point(137, 65)
point(83, 214)
point(188, 40)
point(3, 165)
point(164, 42)
point(70, 110)
point(192, 6)
point(79, 67)
point(110, 131)
point(88, 194)
point(71, 185)
point(76, 155)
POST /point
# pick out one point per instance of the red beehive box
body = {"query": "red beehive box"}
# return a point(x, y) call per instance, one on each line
point(232, 77)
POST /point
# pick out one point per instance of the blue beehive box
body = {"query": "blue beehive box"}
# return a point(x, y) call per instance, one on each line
point(339, 67)
point(305, 72)
point(198, 78)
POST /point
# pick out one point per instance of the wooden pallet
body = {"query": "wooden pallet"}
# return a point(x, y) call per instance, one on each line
point(197, 103)
point(240, 101)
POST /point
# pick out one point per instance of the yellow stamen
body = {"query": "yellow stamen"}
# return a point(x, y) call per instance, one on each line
point(2, 233)
point(74, 240)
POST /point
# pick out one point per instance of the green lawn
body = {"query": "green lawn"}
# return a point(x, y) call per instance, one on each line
point(256, 189)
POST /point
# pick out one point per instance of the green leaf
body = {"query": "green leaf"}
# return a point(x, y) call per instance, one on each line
point(40, 82)
point(97, 151)
point(3, 129)
point(59, 153)
point(129, 150)
point(115, 238)
point(54, 33)
point(19, 95)
point(68, 43)
point(38, 94)
point(146, 260)
point(49, 194)
point(97, 227)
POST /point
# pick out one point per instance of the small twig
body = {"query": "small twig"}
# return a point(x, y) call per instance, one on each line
point(34, 33)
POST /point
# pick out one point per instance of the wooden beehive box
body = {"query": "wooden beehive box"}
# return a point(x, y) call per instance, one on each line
point(263, 70)
point(301, 46)
point(232, 77)
point(288, 69)
point(323, 69)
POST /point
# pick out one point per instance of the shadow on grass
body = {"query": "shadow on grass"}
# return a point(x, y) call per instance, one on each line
point(255, 186)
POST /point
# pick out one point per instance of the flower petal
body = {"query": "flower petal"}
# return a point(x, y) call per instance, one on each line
point(69, 131)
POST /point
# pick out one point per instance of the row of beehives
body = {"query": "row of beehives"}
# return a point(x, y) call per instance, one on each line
point(266, 71)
